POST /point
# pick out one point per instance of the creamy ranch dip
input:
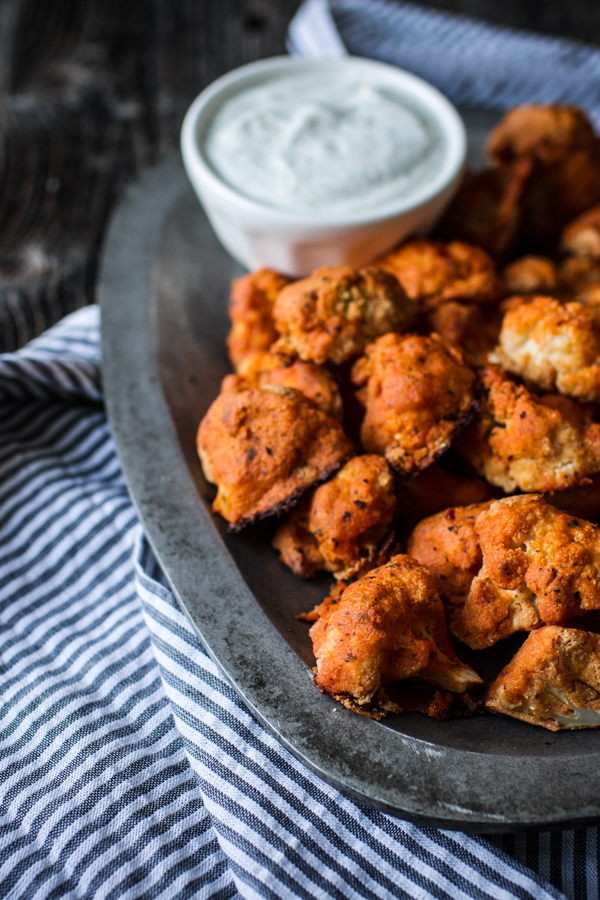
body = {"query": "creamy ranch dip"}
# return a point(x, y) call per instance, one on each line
point(308, 144)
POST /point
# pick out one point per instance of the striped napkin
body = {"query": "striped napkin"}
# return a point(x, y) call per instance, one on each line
point(473, 63)
point(129, 767)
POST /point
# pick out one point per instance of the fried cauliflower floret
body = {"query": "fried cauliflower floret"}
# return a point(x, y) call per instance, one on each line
point(531, 275)
point(340, 526)
point(560, 147)
point(582, 237)
point(553, 681)
point(467, 326)
point(555, 347)
point(538, 566)
point(387, 626)
point(251, 313)
point(417, 392)
point(432, 272)
point(333, 314)
point(533, 443)
point(314, 381)
point(486, 210)
point(263, 448)
point(448, 545)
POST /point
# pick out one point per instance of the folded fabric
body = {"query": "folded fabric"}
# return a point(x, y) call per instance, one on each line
point(129, 768)
point(473, 63)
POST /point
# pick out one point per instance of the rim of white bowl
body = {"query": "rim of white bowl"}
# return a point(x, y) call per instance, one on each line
point(437, 105)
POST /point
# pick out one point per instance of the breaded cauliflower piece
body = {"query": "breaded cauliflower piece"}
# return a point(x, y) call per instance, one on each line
point(582, 236)
point(417, 392)
point(555, 347)
point(486, 210)
point(387, 626)
point(470, 327)
point(563, 153)
point(341, 526)
point(448, 544)
point(511, 565)
point(263, 448)
point(531, 275)
point(432, 272)
point(251, 313)
point(533, 443)
point(314, 381)
point(333, 314)
point(553, 681)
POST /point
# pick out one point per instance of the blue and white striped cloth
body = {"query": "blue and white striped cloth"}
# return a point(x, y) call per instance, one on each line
point(473, 63)
point(129, 767)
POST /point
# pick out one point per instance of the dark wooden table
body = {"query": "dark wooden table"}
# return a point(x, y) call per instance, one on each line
point(92, 91)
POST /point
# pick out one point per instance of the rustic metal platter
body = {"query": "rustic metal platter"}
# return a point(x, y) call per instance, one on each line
point(164, 289)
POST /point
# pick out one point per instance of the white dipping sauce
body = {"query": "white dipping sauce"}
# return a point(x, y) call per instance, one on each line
point(303, 143)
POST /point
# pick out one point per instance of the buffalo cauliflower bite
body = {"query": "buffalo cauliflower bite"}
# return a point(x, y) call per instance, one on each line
point(333, 314)
point(519, 564)
point(553, 681)
point(531, 275)
point(432, 272)
point(417, 392)
point(250, 311)
point(582, 237)
point(553, 346)
point(559, 146)
point(263, 448)
point(486, 210)
point(387, 626)
point(470, 327)
point(447, 543)
point(314, 381)
point(533, 443)
point(340, 527)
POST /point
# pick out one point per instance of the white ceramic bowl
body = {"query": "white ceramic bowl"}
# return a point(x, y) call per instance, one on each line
point(297, 243)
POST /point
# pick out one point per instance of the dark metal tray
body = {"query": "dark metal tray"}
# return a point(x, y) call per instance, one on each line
point(164, 288)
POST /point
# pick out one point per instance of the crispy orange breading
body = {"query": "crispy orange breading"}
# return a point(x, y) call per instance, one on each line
point(510, 565)
point(333, 314)
point(250, 311)
point(486, 210)
point(432, 272)
point(555, 347)
point(559, 144)
point(582, 237)
point(533, 443)
point(448, 545)
point(553, 681)
point(387, 626)
point(548, 134)
point(531, 275)
point(263, 448)
point(341, 525)
point(314, 381)
point(468, 326)
point(417, 392)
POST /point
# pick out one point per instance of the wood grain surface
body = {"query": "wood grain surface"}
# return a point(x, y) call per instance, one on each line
point(92, 91)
